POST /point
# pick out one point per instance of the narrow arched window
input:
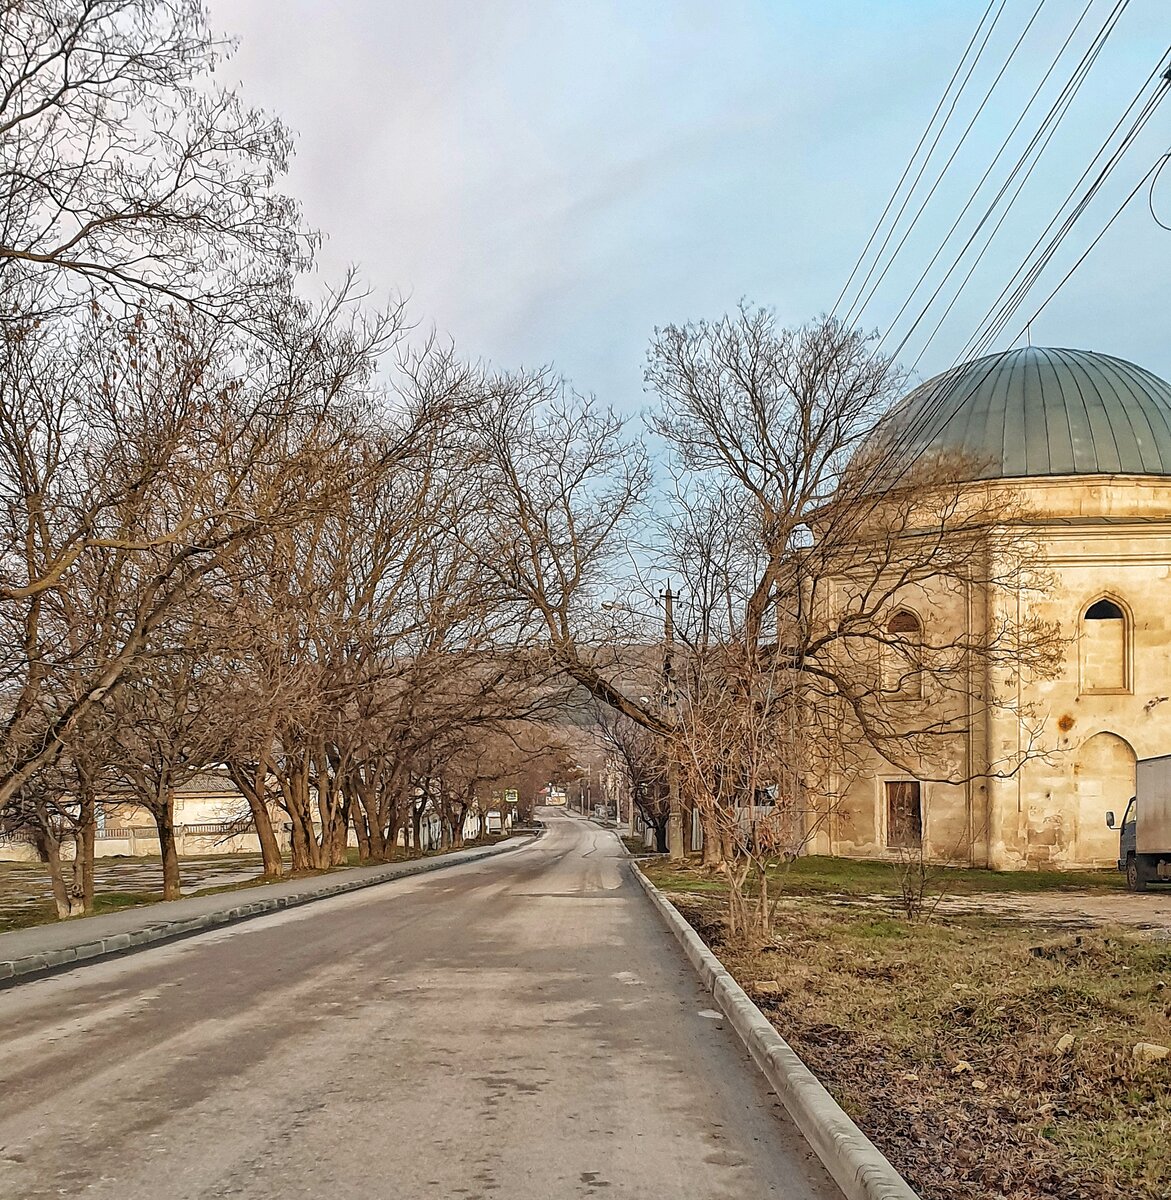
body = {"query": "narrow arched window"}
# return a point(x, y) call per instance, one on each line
point(1104, 642)
point(902, 666)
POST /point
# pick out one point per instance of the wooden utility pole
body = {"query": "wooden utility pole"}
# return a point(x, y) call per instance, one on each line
point(675, 814)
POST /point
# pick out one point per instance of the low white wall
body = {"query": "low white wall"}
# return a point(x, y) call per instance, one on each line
point(140, 842)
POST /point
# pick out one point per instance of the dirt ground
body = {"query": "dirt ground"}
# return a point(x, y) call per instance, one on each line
point(26, 896)
point(1149, 911)
point(989, 1052)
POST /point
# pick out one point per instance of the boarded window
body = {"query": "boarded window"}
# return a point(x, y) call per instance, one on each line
point(902, 674)
point(1103, 648)
point(904, 814)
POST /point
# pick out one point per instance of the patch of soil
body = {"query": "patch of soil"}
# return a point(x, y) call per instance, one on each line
point(940, 1042)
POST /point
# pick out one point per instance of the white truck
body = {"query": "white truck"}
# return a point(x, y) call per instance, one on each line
point(1144, 838)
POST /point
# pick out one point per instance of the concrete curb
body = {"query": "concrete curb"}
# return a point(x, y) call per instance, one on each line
point(858, 1167)
point(31, 966)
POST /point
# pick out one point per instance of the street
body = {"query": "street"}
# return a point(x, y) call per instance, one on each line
point(521, 1027)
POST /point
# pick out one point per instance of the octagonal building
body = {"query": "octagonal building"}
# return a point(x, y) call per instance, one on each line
point(1082, 441)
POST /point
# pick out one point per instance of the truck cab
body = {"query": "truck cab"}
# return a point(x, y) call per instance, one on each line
point(1127, 840)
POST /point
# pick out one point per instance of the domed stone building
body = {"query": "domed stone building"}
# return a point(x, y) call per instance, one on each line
point(1083, 441)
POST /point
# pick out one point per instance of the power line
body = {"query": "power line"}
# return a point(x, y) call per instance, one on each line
point(1002, 309)
point(1151, 194)
point(927, 158)
point(1032, 274)
point(1065, 101)
point(1043, 135)
point(853, 317)
point(1089, 249)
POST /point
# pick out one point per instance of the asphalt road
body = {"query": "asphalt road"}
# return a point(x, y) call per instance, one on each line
point(521, 1028)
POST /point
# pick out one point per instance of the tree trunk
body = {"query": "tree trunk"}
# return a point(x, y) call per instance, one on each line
point(713, 843)
point(300, 844)
point(86, 844)
point(393, 828)
point(307, 855)
point(362, 833)
point(49, 852)
point(252, 783)
point(165, 823)
point(270, 848)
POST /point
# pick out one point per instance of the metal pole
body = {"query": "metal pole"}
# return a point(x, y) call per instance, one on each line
point(675, 809)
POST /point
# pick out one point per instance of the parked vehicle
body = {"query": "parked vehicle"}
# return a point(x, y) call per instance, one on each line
point(1144, 837)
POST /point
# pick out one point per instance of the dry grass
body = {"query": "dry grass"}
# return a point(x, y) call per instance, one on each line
point(26, 893)
point(941, 1040)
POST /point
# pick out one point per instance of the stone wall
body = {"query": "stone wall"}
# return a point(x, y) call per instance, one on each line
point(1110, 703)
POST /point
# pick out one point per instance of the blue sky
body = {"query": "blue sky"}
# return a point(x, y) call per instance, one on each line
point(548, 180)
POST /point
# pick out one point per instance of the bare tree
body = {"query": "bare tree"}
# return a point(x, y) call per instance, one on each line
point(801, 538)
point(125, 170)
point(172, 720)
point(137, 473)
point(560, 487)
point(642, 756)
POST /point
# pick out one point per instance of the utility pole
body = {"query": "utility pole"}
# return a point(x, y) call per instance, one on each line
point(675, 811)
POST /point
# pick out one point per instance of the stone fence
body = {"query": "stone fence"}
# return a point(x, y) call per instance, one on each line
point(191, 840)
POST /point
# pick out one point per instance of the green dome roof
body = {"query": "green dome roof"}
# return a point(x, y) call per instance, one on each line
point(1036, 412)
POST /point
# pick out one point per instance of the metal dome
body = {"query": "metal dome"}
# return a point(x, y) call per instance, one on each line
point(1038, 412)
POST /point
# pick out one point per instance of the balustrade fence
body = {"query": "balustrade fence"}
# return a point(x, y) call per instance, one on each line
point(220, 829)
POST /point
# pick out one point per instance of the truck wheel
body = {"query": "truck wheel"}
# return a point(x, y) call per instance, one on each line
point(1136, 876)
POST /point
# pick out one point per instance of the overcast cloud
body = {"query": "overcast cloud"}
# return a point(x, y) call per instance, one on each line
point(550, 179)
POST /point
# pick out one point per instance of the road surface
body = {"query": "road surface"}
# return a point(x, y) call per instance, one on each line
point(520, 1029)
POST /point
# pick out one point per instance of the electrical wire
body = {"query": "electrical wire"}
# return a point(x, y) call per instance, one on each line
point(1159, 168)
point(1035, 148)
point(894, 452)
point(927, 158)
point(1065, 103)
point(914, 154)
point(1033, 273)
point(855, 314)
point(1138, 187)
point(1026, 272)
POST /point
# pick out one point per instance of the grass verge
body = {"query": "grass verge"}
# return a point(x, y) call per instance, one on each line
point(988, 1059)
point(26, 900)
point(813, 875)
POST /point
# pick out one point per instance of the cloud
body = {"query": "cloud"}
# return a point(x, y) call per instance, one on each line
point(551, 180)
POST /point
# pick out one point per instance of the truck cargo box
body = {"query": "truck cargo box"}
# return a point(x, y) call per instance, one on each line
point(1153, 789)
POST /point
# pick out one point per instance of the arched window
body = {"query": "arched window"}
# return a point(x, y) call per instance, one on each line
point(1104, 640)
point(902, 657)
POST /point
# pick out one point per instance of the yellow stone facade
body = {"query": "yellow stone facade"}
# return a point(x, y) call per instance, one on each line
point(1097, 538)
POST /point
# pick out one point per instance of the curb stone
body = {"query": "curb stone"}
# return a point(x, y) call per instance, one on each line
point(858, 1167)
point(32, 966)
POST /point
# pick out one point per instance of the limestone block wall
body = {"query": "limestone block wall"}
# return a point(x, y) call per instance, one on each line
point(1096, 723)
point(1102, 538)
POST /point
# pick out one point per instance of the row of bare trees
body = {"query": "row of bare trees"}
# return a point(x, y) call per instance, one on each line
point(217, 555)
point(231, 533)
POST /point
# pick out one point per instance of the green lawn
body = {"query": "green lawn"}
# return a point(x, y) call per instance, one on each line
point(815, 875)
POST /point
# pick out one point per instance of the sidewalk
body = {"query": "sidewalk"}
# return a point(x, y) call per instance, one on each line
point(42, 948)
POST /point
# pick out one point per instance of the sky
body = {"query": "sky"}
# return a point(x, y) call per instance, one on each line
point(549, 180)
